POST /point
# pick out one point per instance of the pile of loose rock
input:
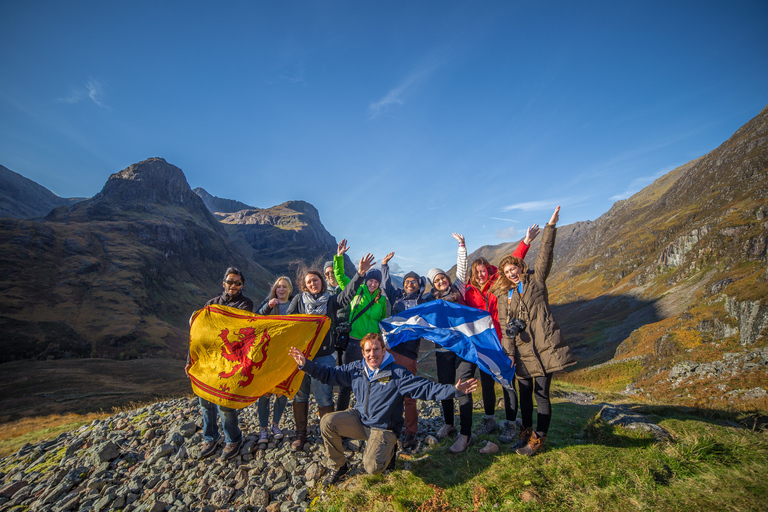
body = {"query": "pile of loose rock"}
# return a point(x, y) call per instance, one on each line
point(147, 460)
point(731, 365)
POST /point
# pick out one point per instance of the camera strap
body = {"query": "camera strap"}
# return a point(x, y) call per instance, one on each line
point(367, 306)
point(521, 301)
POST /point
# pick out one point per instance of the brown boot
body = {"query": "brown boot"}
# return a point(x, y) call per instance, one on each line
point(300, 413)
point(322, 411)
point(522, 439)
point(535, 445)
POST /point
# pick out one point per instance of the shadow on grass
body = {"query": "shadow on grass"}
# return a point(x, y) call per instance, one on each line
point(573, 425)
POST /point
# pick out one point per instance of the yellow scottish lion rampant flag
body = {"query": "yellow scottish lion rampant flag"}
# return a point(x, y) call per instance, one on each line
point(237, 356)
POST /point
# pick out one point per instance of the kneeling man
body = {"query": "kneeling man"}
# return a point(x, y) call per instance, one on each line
point(379, 385)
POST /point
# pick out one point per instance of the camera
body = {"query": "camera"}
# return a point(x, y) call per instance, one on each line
point(343, 328)
point(514, 327)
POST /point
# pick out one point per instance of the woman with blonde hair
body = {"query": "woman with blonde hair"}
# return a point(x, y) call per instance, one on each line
point(532, 336)
point(276, 304)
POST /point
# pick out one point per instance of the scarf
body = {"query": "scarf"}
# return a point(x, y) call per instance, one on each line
point(315, 304)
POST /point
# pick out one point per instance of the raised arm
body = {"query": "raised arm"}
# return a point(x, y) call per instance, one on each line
point(461, 262)
point(389, 288)
point(546, 252)
point(345, 297)
point(338, 264)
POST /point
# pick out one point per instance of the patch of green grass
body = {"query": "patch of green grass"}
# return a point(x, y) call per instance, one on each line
point(588, 466)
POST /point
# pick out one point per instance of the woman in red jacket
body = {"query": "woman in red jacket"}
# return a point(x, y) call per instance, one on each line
point(477, 293)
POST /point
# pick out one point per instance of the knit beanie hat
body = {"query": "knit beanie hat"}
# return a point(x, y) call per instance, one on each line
point(412, 275)
point(327, 264)
point(432, 274)
point(374, 273)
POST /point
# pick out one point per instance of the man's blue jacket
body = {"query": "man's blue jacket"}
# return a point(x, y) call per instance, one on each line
point(380, 400)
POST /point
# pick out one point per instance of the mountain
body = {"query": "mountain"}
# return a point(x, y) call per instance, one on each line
point(116, 275)
point(218, 206)
point(286, 239)
point(674, 274)
point(22, 198)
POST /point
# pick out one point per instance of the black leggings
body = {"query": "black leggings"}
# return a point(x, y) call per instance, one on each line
point(489, 398)
point(538, 386)
point(451, 368)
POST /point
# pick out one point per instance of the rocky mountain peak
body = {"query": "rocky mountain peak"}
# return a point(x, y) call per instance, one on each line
point(153, 180)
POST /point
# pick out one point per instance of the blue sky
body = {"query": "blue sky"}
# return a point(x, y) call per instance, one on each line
point(401, 121)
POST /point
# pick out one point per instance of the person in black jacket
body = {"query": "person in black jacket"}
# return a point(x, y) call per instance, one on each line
point(315, 299)
point(405, 354)
point(232, 297)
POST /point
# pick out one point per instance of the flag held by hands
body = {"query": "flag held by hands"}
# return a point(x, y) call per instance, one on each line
point(467, 331)
point(237, 356)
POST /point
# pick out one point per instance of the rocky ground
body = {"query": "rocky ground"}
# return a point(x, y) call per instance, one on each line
point(147, 460)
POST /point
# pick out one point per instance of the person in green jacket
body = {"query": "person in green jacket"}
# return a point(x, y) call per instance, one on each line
point(368, 307)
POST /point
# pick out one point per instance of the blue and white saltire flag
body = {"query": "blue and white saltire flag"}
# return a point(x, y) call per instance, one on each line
point(467, 331)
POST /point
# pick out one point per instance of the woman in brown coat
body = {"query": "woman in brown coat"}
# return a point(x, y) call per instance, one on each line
point(532, 336)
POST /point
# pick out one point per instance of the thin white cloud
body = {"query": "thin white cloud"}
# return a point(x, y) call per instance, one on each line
point(395, 96)
point(507, 233)
point(92, 89)
point(95, 92)
point(640, 183)
point(532, 206)
point(505, 220)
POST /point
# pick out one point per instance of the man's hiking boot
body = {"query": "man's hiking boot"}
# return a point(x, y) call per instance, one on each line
point(334, 477)
point(208, 448)
point(407, 441)
point(231, 450)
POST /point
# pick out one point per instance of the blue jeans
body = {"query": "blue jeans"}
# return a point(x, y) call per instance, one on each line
point(228, 417)
point(323, 392)
point(280, 403)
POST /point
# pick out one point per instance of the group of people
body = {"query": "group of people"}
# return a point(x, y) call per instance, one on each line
point(354, 356)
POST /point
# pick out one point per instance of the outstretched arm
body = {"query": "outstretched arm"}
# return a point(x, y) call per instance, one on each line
point(297, 356)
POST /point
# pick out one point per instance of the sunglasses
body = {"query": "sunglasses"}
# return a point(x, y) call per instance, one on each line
point(234, 283)
point(412, 282)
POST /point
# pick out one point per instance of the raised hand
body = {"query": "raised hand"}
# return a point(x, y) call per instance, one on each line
point(467, 386)
point(555, 216)
point(342, 248)
point(297, 356)
point(273, 302)
point(459, 238)
point(531, 234)
point(366, 262)
point(385, 259)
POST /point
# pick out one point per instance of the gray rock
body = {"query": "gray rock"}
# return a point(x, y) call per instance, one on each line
point(616, 415)
point(105, 452)
point(188, 429)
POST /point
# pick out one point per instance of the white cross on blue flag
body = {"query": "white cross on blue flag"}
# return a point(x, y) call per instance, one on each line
point(461, 329)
